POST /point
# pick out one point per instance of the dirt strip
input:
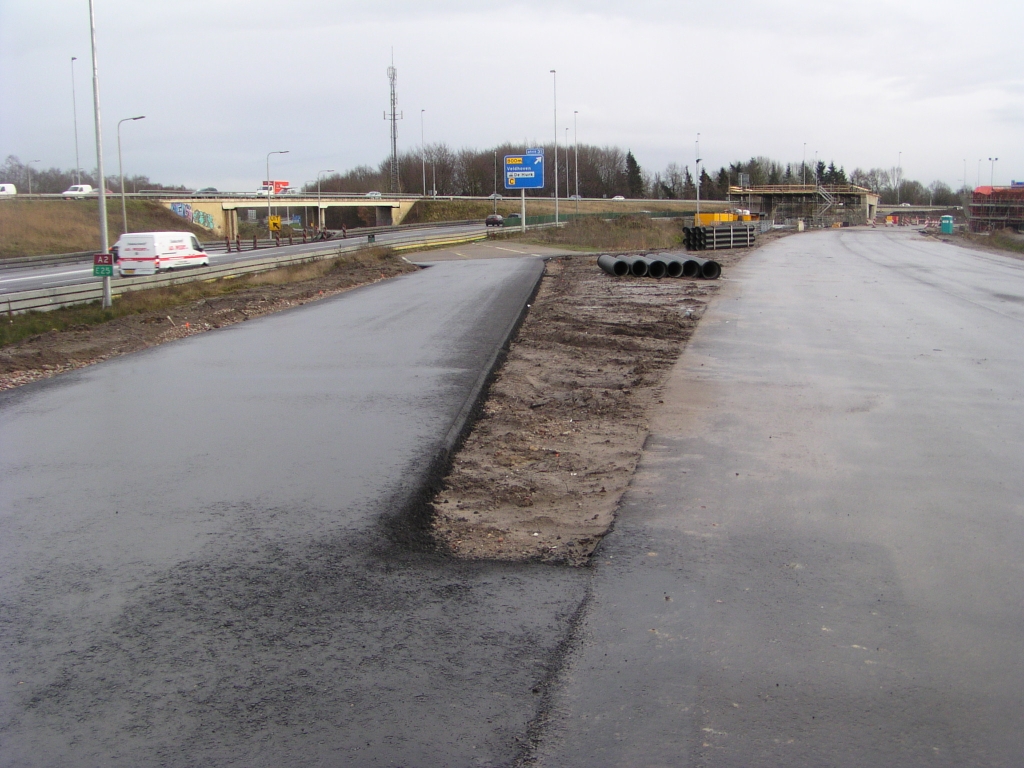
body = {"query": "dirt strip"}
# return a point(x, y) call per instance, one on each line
point(541, 473)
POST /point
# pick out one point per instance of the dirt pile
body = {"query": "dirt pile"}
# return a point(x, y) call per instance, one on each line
point(541, 473)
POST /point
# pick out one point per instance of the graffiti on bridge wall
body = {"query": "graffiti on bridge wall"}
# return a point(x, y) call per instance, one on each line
point(202, 218)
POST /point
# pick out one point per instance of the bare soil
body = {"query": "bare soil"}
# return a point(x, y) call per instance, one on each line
point(541, 473)
point(48, 354)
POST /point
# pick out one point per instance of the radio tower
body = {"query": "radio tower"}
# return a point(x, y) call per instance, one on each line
point(394, 117)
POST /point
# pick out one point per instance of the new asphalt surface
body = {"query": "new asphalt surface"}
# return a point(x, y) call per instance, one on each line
point(210, 552)
point(819, 560)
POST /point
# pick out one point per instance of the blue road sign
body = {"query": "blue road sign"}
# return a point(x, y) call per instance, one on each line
point(525, 171)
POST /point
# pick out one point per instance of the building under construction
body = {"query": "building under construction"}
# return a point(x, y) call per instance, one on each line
point(997, 208)
point(820, 205)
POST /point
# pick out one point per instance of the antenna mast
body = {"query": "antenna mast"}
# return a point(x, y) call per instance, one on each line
point(394, 117)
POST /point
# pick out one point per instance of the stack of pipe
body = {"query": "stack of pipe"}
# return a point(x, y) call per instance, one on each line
point(659, 265)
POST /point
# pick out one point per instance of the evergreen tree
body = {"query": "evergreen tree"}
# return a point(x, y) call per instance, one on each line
point(634, 178)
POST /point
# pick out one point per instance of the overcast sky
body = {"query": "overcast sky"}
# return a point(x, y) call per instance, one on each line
point(223, 82)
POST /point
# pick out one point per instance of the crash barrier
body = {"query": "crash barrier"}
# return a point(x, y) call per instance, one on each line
point(719, 238)
point(659, 265)
point(54, 298)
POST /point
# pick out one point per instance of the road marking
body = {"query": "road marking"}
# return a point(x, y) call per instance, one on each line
point(510, 250)
point(46, 276)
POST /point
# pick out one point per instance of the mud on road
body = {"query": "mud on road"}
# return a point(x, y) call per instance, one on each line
point(540, 475)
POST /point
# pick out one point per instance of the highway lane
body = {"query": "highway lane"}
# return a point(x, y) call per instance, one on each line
point(35, 278)
point(209, 551)
point(819, 559)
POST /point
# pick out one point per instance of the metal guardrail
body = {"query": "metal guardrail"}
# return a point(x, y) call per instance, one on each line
point(54, 298)
point(220, 246)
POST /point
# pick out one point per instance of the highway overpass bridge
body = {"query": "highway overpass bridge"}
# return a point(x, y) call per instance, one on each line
point(220, 213)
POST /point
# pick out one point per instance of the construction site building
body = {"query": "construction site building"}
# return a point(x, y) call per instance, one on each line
point(997, 208)
point(820, 205)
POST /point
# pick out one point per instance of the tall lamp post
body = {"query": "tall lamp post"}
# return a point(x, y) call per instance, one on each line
point(28, 166)
point(494, 196)
point(319, 209)
point(554, 91)
point(102, 192)
point(423, 154)
point(696, 170)
point(120, 170)
point(899, 169)
point(576, 141)
point(270, 186)
point(992, 177)
point(803, 166)
point(74, 113)
point(567, 186)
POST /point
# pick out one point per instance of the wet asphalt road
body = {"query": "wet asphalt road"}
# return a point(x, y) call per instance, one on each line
point(209, 551)
point(819, 562)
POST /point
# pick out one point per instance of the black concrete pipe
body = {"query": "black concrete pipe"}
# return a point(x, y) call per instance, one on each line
point(691, 268)
point(709, 270)
point(673, 264)
point(612, 265)
point(637, 266)
point(656, 268)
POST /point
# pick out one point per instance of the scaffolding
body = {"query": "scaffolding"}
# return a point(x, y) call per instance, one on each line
point(994, 208)
point(819, 205)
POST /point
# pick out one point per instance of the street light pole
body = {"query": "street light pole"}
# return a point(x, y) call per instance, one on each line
point(899, 168)
point(992, 177)
point(696, 169)
point(554, 91)
point(567, 186)
point(494, 196)
point(120, 171)
point(74, 112)
point(28, 165)
point(576, 142)
point(269, 185)
point(319, 209)
point(803, 167)
point(423, 154)
point(101, 194)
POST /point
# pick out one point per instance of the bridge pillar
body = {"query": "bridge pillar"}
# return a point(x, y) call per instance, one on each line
point(383, 216)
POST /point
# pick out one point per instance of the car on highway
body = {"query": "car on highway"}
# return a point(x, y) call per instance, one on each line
point(495, 220)
point(205, 192)
point(78, 190)
point(512, 216)
point(374, 195)
point(8, 189)
point(575, 197)
point(494, 196)
point(146, 253)
point(618, 197)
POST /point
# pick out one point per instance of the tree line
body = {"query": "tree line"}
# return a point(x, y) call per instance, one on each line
point(594, 172)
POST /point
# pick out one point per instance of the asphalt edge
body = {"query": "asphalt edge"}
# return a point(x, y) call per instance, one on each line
point(410, 524)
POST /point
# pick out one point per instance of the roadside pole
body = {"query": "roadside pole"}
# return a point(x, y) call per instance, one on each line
point(522, 211)
point(101, 193)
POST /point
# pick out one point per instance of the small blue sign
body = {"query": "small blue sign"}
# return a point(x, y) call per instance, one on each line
point(525, 171)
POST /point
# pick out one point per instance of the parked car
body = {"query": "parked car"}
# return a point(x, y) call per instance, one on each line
point(374, 195)
point(78, 190)
point(618, 197)
point(8, 189)
point(495, 220)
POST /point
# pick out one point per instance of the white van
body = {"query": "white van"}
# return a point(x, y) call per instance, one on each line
point(8, 189)
point(146, 253)
point(78, 190)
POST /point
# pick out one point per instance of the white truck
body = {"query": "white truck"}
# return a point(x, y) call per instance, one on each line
point(146, 253)
point(78, 190)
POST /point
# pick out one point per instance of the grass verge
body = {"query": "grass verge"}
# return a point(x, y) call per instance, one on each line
point(628, 233)
point(25, 325)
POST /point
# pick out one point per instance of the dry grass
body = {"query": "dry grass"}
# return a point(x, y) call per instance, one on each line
point(628, 233)
point(22, 326)
point(458, 210)
point(36, 227)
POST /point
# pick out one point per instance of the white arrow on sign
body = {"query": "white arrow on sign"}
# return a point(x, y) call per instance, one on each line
point(538, 160)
